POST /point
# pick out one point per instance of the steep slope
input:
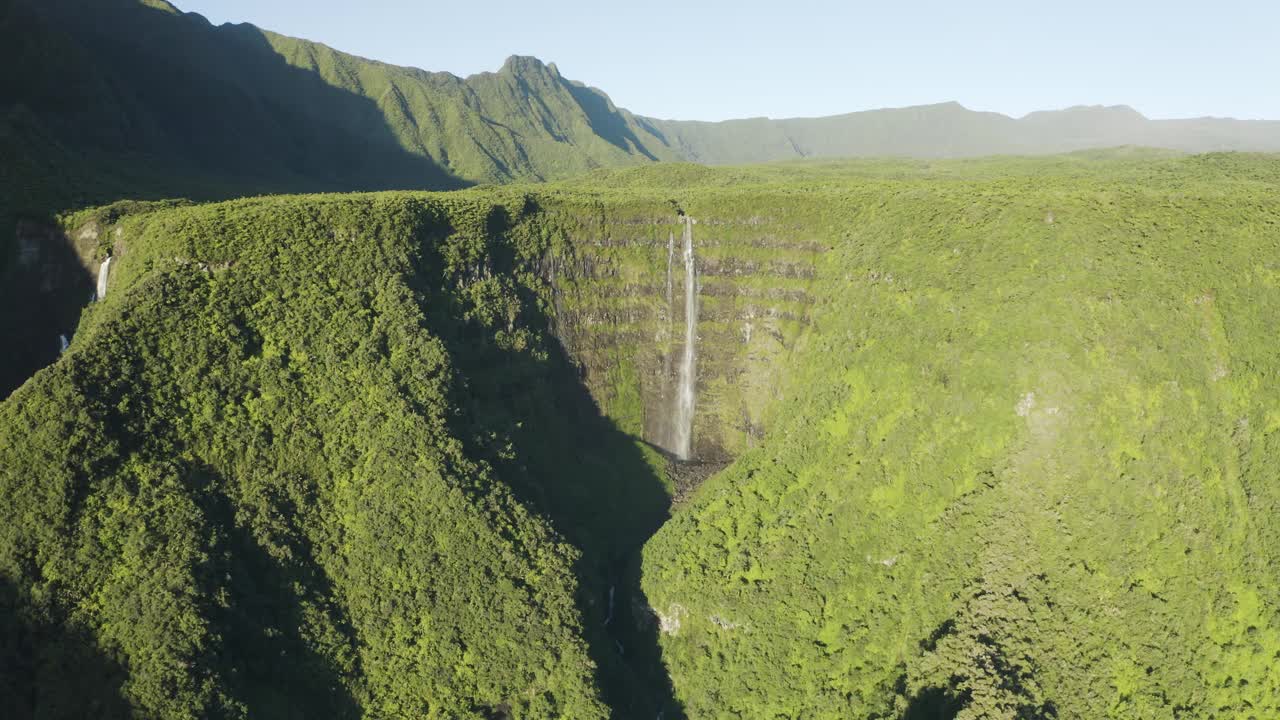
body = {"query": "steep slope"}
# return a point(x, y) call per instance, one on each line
point(146, 83)
point(1026, 461)
point(136, 98)
point(622, 310)
point(119, 98)
point(277, 475)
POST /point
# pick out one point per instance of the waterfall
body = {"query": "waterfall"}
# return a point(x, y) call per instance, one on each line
point(609, 618)
point(688, 374)
point(671, 260)
point(669, 319)
point(103, 271)
point(63, 344)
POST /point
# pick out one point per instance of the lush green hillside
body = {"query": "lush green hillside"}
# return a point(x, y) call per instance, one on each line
point(127, 99)
point(306, 459)
point(1029, 459)
point(988, 438)
point(149, 100)
point(133, 97)
point(1005, 436)
point(210, 110)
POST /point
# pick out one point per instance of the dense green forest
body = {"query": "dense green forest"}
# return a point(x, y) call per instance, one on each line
point(1028, 461)
point(345, 454)
point(303, 461)
point(413, 395)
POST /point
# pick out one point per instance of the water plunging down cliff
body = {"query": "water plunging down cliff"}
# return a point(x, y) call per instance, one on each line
point(103, 272)
point(699, 389)
point(687, 376)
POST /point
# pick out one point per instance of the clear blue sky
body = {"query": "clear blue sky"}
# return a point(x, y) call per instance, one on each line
point(783, 58)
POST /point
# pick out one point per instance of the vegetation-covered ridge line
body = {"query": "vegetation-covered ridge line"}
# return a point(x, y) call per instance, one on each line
point(204, 111)
point(130, 99)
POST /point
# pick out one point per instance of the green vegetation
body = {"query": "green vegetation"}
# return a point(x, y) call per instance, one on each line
point(124, 99)
point(271, 477)
point(1027, 463)
point(150, 99)
point(131, 99)
point(1006, 439)
point(985, 438)
point(949, 130)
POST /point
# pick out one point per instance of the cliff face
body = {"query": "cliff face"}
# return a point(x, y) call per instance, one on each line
point(297, 353)
point(621, 309)
point(43, 290)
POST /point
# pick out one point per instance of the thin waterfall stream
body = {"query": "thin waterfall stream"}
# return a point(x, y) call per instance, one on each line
point(671, 259)
point(687, 376)
point(103, 272)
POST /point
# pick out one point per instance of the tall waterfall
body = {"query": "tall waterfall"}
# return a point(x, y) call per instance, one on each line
point(671, 258)
point(688, 373)
point(668, 320)
point(103, 271)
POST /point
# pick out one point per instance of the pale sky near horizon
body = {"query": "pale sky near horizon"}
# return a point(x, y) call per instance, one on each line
point(722, 59)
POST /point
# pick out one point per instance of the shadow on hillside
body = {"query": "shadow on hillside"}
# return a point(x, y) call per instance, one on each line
point(268, 664)
point(43, 289)
point(526, 412)
point(49, 670)
point(933, 704)
point(146, 104)
point(218, 103)
point(606, 121)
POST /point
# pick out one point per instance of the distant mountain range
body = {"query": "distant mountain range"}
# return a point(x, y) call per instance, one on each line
point(952, 130)
point(136, 96)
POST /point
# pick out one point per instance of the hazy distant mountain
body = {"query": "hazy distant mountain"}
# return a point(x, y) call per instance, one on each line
point(951, 130)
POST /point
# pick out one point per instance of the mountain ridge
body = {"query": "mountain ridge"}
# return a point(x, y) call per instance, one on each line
point(526, 120)
point(132, 99)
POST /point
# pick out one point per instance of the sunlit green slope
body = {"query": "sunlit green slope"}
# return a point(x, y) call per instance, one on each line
point(1028, 462)
point(109, 99)
point(270, 477)
point(142, 87)
point(1006, 436)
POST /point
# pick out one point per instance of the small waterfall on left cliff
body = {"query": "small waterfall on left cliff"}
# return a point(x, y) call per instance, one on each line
point(103, 272)
point(686, 388)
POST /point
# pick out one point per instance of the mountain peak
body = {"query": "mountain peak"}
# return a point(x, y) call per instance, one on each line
point(521, 65)
point(162, 6)
point(1106, 110)
point(1112, 112)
